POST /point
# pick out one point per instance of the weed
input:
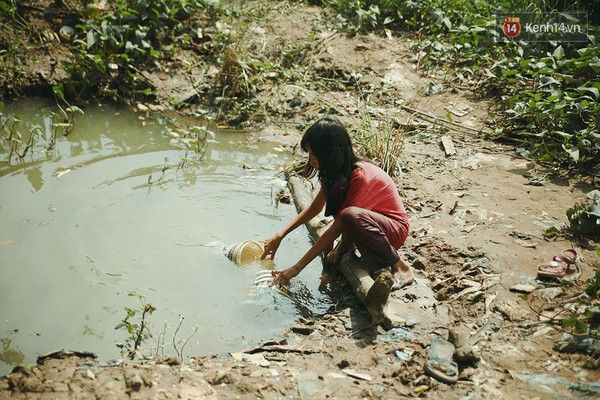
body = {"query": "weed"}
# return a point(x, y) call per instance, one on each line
point(10, 8)
point(550, 94)
point(138, 331)
point(381, 142)
point(16, 138)
point(179, 351)
point(194, 138)
point(584, 323)
point(112, 45)
point(584, 219)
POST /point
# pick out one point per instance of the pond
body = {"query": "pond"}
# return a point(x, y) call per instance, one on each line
point(109, 219)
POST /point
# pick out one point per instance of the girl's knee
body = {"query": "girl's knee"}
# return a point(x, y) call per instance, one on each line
point(349, 215)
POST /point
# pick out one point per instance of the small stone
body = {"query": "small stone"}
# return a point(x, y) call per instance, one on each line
point(421, 389)
point(256, 374)
point(303, 329)
point(550, 293)
point(522, 288)
point(543, 331)
point(135, 382)
point(352, 373)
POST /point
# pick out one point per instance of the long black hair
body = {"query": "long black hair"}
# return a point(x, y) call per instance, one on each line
point(330, 142)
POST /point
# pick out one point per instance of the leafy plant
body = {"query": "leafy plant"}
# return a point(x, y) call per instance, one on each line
point(113, 45)
point(194, 139)
point(577, 324)
point(585, 218)
point(16, 138)
point(380, 141)
point(11, 9)
point(138, 330)
point(550, 93)
point(19, 137)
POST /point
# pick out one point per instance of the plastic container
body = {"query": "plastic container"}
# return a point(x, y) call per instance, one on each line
point(263, 280)
point(245, 253)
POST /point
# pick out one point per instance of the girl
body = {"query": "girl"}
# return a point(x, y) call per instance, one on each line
point(363, 199)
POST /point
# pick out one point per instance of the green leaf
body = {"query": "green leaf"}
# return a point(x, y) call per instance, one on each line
point(447, 22)
point(593, 313)
point(551, 232)
point(593, 90)
point(433, 88)
point(580, 326)
point(77, 110)
point(573, 152)
point(509, 72)
point(559, 52)
point(564, 135)
point(548, 80)
point(594, 195)
point(90, 39)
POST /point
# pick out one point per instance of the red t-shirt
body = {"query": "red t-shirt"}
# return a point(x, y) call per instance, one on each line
point(373, 189)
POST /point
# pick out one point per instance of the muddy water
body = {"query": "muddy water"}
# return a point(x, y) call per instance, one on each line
point(81, 229)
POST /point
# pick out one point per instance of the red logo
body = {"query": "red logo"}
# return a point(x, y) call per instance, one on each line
point(511, 27)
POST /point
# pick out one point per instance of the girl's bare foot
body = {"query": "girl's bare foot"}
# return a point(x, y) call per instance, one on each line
point(403, 275)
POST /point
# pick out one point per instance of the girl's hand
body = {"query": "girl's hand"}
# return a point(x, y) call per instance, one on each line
point(283, 276)
point(271, 246)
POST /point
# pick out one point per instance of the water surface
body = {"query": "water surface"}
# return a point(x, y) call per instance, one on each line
point(81, 229)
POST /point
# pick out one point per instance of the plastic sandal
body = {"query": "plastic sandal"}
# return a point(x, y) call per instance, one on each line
point(440, 364)
point(559, 266)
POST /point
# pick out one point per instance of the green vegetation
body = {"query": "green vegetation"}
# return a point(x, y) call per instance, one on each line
point(139, 330)
point(549, 92)
point(590, 318)
point(19, 137)
point(584, 219)
point(137, 324)
point(111, 48)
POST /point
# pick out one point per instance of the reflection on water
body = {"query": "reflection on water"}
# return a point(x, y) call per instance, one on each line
point(10, 355)
point(81, 228)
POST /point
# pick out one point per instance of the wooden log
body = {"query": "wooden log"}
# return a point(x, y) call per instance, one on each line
point(372, 293)
point(303, 194)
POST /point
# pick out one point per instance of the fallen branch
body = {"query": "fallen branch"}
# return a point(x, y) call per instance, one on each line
point(279, 347)
point(450, 125)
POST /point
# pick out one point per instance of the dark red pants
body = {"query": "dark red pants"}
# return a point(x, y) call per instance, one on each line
point(376, 236)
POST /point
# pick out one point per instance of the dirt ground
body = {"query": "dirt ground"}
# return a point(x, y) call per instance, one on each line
point(478, 218)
